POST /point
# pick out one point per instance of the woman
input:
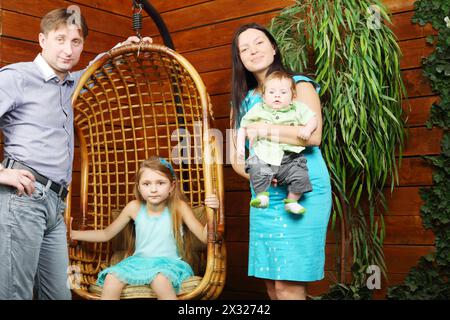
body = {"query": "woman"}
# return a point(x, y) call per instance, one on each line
point(284, 249)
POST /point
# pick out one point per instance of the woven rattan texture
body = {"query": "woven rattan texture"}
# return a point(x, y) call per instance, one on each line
point(131, 105)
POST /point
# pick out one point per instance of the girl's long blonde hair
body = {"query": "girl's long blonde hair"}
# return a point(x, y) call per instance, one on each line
point(174, 201)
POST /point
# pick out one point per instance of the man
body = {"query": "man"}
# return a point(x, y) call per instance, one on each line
point(36, 118)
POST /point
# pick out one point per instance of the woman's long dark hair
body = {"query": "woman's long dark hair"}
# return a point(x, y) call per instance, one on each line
point(243, 80)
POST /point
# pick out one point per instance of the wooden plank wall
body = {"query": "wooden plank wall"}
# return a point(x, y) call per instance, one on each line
point(202, 30)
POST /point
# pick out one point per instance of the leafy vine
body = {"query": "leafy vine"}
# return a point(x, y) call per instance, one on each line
point(430, 278)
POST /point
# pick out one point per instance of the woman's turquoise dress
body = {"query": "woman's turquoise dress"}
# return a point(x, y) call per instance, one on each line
point(284, 246)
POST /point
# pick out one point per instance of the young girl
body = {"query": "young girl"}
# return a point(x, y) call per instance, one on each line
point(158, 212)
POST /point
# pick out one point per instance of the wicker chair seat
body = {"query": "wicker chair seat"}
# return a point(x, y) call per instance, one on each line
point(141, 292)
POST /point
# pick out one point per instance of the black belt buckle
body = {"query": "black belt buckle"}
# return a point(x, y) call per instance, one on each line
point(62, 193)
point(60, 190)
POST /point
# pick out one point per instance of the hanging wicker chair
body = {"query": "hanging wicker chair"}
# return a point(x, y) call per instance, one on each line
point(134, 102)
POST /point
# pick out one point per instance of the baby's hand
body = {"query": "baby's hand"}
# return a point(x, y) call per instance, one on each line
point(304, 133)
point(212, 201)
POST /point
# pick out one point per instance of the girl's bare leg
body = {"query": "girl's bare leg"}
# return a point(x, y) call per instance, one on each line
point(112, 288)
point(163, 288)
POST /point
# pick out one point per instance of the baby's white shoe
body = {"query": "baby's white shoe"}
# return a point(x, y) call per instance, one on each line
point(261, 200)
point(293, 206)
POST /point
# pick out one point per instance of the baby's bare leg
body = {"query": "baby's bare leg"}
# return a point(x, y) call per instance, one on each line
point(294, 196)
point(112, 288)
point(163, 288)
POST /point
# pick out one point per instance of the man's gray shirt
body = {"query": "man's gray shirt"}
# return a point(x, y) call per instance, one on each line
point(36, 117)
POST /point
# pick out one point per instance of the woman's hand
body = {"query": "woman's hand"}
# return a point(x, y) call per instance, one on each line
point(240, 148)
point(306, 93)
point(212, 201)
point(256, 130)
point(304, 133)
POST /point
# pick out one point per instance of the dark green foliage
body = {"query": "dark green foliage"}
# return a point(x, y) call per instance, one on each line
point(430, 278)
point(355, 57)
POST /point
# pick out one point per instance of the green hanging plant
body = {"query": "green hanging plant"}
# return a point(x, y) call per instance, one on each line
point(355, 58)
point(430, 278)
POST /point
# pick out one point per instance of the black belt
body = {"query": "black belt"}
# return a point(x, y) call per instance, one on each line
point(60, 190)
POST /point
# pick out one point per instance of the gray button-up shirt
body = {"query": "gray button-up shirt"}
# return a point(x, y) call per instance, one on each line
point(36, 117)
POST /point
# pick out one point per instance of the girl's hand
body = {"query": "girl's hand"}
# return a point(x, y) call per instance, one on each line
point(70, 234)
point(70, 228)
point(212, 201)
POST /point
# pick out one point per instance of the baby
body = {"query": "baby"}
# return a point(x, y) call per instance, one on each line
point(269, 159)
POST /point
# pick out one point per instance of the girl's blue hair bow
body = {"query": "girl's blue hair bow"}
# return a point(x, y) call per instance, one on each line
point(167, 164)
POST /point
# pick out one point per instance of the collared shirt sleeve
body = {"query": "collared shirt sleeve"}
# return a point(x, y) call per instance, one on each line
point(10, 89)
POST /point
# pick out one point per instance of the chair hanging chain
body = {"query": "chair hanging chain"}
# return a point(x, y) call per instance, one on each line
point(137, 18)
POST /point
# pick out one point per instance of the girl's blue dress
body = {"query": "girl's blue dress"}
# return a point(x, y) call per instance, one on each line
point(284, 246)
point(156, 252)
